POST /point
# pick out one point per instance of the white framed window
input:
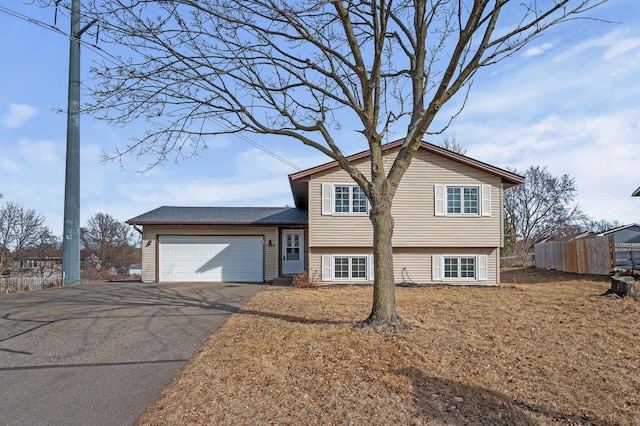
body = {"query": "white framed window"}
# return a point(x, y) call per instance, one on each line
point(343, 199)
point(29, 263)
point(462, 200)
point(459, 267)
point(347, 267)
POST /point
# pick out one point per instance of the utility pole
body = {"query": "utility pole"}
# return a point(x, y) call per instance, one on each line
point(71, 232)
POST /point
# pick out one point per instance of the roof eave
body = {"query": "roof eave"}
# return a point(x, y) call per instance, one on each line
point(191, 223)
point(508, 178)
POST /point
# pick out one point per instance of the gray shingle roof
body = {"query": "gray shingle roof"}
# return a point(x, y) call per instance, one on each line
point(221, 215)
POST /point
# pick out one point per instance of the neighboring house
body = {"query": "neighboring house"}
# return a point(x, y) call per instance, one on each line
point(135, 269)
point(36, 266)
point(625, 244)
point(447, 228)
point(626, 234)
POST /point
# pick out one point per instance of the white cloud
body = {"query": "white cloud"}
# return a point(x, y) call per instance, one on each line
point(622, 47)
point(215, 191)
point(255, 163)
point(41, 153)
point(251, 178)
point(17, 115)
point(610, 46)
point(9, 166)
point(537, 50)
point(600, 151)
point(34, 178)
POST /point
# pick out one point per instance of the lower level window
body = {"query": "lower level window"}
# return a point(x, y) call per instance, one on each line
point(345, 267)
point(460, 267)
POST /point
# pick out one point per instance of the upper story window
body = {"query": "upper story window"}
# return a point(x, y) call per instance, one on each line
point(462, 200)
point(343, 199)
point(349, 199)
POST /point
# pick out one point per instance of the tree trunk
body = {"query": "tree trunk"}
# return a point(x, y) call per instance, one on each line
point(383, 315)
point(622, 286)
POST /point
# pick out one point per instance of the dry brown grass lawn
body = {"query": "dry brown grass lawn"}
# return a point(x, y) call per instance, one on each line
point(542, 348)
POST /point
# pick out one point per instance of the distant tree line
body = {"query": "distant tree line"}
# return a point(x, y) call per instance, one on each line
point(28, 245)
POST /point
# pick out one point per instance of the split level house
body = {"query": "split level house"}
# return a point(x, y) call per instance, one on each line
point(448, 228)
point(41, 262)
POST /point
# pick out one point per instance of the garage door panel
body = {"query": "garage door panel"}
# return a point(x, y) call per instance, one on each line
point(216, 259)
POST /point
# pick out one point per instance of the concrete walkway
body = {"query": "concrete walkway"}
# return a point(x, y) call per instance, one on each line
point(100, 354)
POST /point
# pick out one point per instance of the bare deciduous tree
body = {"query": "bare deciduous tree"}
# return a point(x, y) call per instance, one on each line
point(43, 257)
point(300, 70)
point(19, 228)
point(542, 207)
point(109, 241)
point(602, 225)
point(452, 143)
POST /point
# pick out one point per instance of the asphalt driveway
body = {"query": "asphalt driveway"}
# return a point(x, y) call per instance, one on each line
point(99, 354)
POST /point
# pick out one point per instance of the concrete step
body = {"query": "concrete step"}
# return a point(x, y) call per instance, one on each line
point(283, 281)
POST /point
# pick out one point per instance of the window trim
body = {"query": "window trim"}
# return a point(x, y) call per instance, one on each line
point(462, 202)
point(328, 197)
point(481, 264)
point(28, 263)
point(441, 205)
point(328, 269)
point(459, 268)
point(350, 268)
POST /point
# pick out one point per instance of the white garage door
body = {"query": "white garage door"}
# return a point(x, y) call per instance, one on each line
point(215, 259)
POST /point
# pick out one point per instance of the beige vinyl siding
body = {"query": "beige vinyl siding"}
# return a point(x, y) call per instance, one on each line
point(413, 264)
point(152, 232)
point(413, 208)
point(149, 247)
point(306, 249)
point(340, 229)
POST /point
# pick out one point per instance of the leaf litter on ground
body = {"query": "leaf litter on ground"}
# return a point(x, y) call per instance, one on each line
point(541, 348)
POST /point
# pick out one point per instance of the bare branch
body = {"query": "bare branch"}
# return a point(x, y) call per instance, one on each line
point(303, 69)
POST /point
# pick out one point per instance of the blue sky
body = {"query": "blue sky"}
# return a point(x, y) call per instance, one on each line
point(569, 101)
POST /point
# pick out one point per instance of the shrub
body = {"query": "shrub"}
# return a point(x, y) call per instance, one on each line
point(305, 280)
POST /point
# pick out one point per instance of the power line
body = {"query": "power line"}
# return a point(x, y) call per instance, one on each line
point(257, 145)
point(96, 49)
point(116, 61)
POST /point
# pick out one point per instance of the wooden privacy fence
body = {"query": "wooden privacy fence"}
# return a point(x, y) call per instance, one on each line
point(585, 256)
point(627, 256)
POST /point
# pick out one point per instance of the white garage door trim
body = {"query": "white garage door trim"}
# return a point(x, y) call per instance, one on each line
point(211, 258)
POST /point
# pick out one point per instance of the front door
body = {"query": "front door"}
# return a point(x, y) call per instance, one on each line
point(292, 251)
